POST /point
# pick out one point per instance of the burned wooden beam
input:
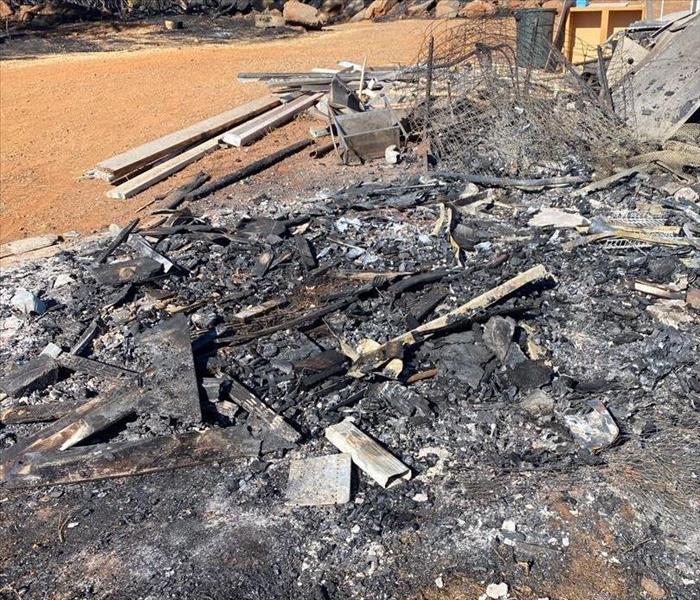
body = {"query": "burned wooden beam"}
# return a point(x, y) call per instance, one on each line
point(423, 307)
point(117, 241)
point(91, 417)
point(375, 358)
point(37, 413)
point(127, 459)
point(170, 378)
point(321, 366)
point(254, 406)
point(178, 195)
point(418, 280)
point(86, 337)
point(33, 375)
point(96, 368)
point(249, 170)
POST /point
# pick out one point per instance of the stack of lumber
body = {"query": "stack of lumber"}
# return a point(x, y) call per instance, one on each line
point(137, 169)
point(142, 167)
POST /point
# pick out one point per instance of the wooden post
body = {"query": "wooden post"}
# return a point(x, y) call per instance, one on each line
point(603, 79)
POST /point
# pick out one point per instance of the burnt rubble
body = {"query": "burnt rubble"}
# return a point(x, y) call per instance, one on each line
point(244, 327)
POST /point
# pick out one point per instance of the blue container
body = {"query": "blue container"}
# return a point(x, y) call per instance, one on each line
point(581, 3)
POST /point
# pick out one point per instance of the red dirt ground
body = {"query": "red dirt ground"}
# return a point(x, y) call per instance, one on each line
point(60, 115)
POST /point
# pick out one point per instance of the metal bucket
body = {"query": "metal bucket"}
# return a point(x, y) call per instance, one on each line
point(534, 36)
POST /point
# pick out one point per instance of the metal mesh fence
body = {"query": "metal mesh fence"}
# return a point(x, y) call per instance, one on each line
point(493, 105)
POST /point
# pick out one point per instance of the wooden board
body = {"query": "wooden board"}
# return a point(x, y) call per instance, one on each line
point(89, 418)
point(376, 357)
point(123, 164)
point(125, 459)
point(163, 170)
point(367, 454)
point(256, 128)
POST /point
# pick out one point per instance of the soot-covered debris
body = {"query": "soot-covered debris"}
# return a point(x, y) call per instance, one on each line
point(235, 340)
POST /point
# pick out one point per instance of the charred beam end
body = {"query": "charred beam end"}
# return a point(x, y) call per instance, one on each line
point(527, 184)
point(127, 459)
point(33, 375)
point(117, 241)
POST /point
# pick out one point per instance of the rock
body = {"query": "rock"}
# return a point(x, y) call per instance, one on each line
point(359, 16)
point(352, 7)
point(692, 298)
point(652, 588)
point(5, 10)
point(447, 9)
point(477, 9)
point(379, 8)
point(554, 5)
point(530, 374)
point(686, 193)
point(496, 591)
point(269, 19)
point(298, 13)
point(62, 279)
point(28, 303)
point(498, 333)
point(537, 403)
point(421, 9)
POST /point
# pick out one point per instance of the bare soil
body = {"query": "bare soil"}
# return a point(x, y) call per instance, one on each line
point(60, 115)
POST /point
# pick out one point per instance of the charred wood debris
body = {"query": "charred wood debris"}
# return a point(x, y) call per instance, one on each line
point(519, 323)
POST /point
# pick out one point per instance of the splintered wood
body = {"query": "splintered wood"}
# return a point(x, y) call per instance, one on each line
point(367, 454)
point(382, 354)
point(125, 459)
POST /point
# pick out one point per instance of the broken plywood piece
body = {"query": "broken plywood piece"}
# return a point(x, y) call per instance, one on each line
point(170, 378)
point(320, 481)
point(367, 454)
point(125, 163)
point(126, 459)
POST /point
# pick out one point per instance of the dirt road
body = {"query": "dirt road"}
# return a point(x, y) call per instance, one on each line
point(61, 115)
